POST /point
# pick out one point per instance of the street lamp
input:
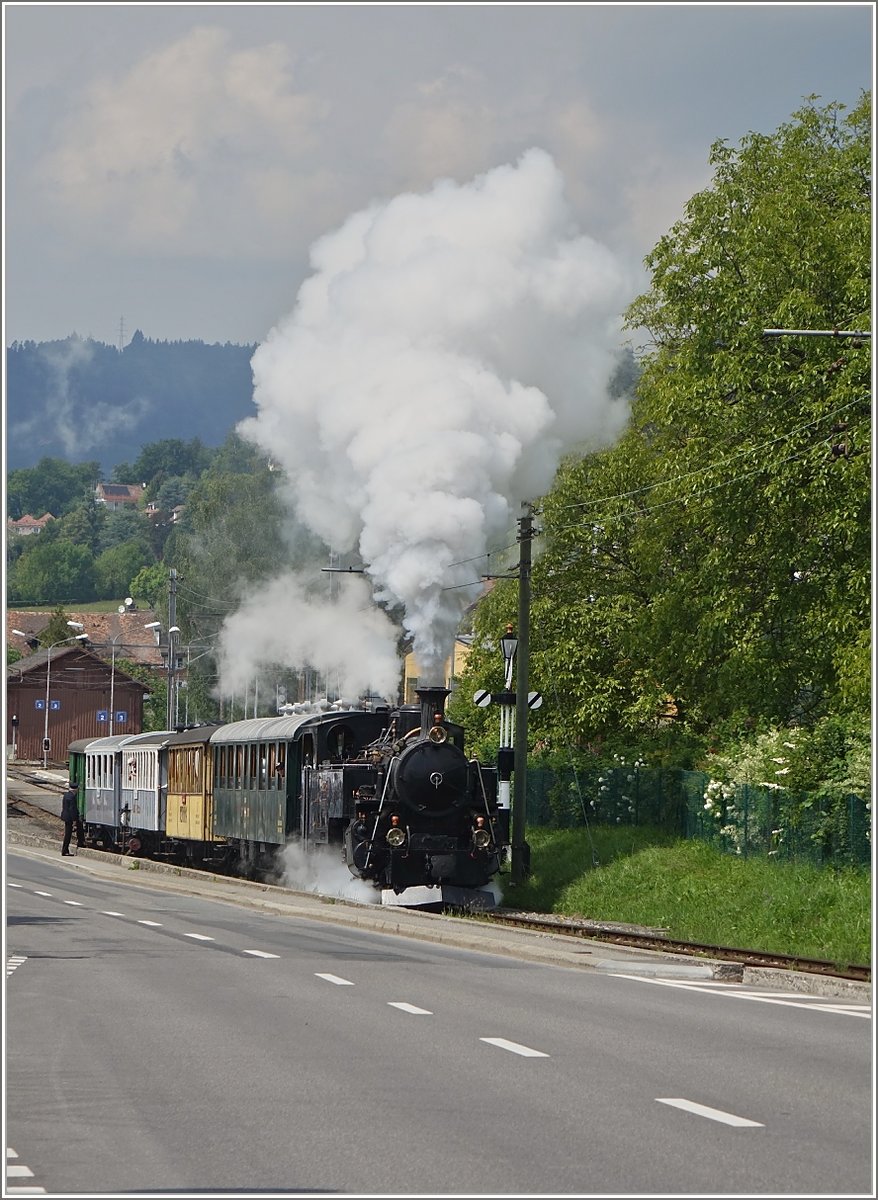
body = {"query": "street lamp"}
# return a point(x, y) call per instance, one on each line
point(75, 637)
point(174, 630)
point(508, 644)
point(113, 641)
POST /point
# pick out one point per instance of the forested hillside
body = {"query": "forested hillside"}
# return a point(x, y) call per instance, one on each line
point(81, 399)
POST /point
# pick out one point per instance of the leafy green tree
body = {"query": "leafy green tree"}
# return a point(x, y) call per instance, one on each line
point(115, 568)
point(125, 525)
point(83, 525)
point(57, 629)
point(53, 485)
point(237, 457)
point(169, 459)
point(715, 563)
point(52, 572)
point(150, 584)
point(172, 492)
point(764, 519)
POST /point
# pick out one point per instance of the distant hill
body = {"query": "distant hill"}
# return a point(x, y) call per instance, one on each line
point(80, 399)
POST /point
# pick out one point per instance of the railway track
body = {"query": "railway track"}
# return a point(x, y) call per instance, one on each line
point(615, 933)
point(650, 939)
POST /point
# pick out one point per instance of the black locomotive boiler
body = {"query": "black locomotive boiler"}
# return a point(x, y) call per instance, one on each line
point(425, 823)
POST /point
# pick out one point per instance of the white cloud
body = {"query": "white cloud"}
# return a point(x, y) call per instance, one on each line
point(188, 130)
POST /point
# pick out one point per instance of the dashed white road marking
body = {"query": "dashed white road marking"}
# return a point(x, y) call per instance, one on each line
point(261, 954)
point(18, 885)
point(18, 1171)
point(105, 913)
point(410, 1008)
point(77, 903)
point(712, 1114)
point(199, 937)
point(334, 979)
point(157, 924)
point(524, 1051)
point(847, 1010)
point(42, 893)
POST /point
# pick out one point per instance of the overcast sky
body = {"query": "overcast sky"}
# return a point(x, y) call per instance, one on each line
point(169, 166)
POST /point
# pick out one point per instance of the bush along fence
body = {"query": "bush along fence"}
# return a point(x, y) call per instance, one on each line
point(744, 819)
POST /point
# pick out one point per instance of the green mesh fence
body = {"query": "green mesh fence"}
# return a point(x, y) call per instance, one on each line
point(740, 819)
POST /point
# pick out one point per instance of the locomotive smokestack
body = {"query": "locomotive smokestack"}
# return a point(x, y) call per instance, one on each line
point(432, 702)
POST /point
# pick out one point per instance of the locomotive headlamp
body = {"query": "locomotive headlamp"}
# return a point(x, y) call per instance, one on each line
point(481, 838)
point(438, 734)
point(395, 836)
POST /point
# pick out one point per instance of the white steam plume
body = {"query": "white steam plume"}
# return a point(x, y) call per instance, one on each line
point(320, 869)
point(350, 641)
point(445, 352)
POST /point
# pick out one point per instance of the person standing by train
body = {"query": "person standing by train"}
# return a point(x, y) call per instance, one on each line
point(70, 817)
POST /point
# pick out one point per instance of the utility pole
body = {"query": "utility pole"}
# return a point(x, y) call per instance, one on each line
point(520, 848)
point(172, 647)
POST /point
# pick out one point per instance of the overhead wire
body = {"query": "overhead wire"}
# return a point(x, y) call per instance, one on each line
point(712, 466)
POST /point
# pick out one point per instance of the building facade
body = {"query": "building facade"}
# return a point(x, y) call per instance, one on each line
point(65, 694)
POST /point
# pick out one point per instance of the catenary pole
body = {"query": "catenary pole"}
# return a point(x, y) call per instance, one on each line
point(172, 647)
point(520, 850)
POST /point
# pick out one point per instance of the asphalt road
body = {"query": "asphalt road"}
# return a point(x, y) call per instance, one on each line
point(165, 1037)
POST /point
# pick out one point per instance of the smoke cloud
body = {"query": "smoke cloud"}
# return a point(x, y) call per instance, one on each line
point(350, 642)
point(447, 349)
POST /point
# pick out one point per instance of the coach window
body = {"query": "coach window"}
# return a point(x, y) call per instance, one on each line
point(308, 758)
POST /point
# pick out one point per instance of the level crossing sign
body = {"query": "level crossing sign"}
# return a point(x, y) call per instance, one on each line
point(482, 698)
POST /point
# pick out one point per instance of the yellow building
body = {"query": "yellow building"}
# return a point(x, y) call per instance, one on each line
point(453, 666)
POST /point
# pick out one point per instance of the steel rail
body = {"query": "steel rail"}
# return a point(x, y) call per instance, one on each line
point(650, 939)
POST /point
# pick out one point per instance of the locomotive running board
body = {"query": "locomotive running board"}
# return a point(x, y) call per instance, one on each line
point(442, 895)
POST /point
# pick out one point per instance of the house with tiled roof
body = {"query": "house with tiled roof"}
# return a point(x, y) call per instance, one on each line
point(110, 635)
point(119, 495)
point(27, 524)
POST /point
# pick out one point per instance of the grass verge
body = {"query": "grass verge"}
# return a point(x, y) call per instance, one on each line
point(696, 893)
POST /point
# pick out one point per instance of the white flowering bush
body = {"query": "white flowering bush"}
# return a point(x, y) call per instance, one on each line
point(812, 778)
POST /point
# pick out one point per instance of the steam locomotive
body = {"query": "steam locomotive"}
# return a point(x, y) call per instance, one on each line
point(391, 789)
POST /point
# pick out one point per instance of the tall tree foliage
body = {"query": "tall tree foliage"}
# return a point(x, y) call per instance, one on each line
point(719, 555)
point(53, 486)
point(765, 441)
